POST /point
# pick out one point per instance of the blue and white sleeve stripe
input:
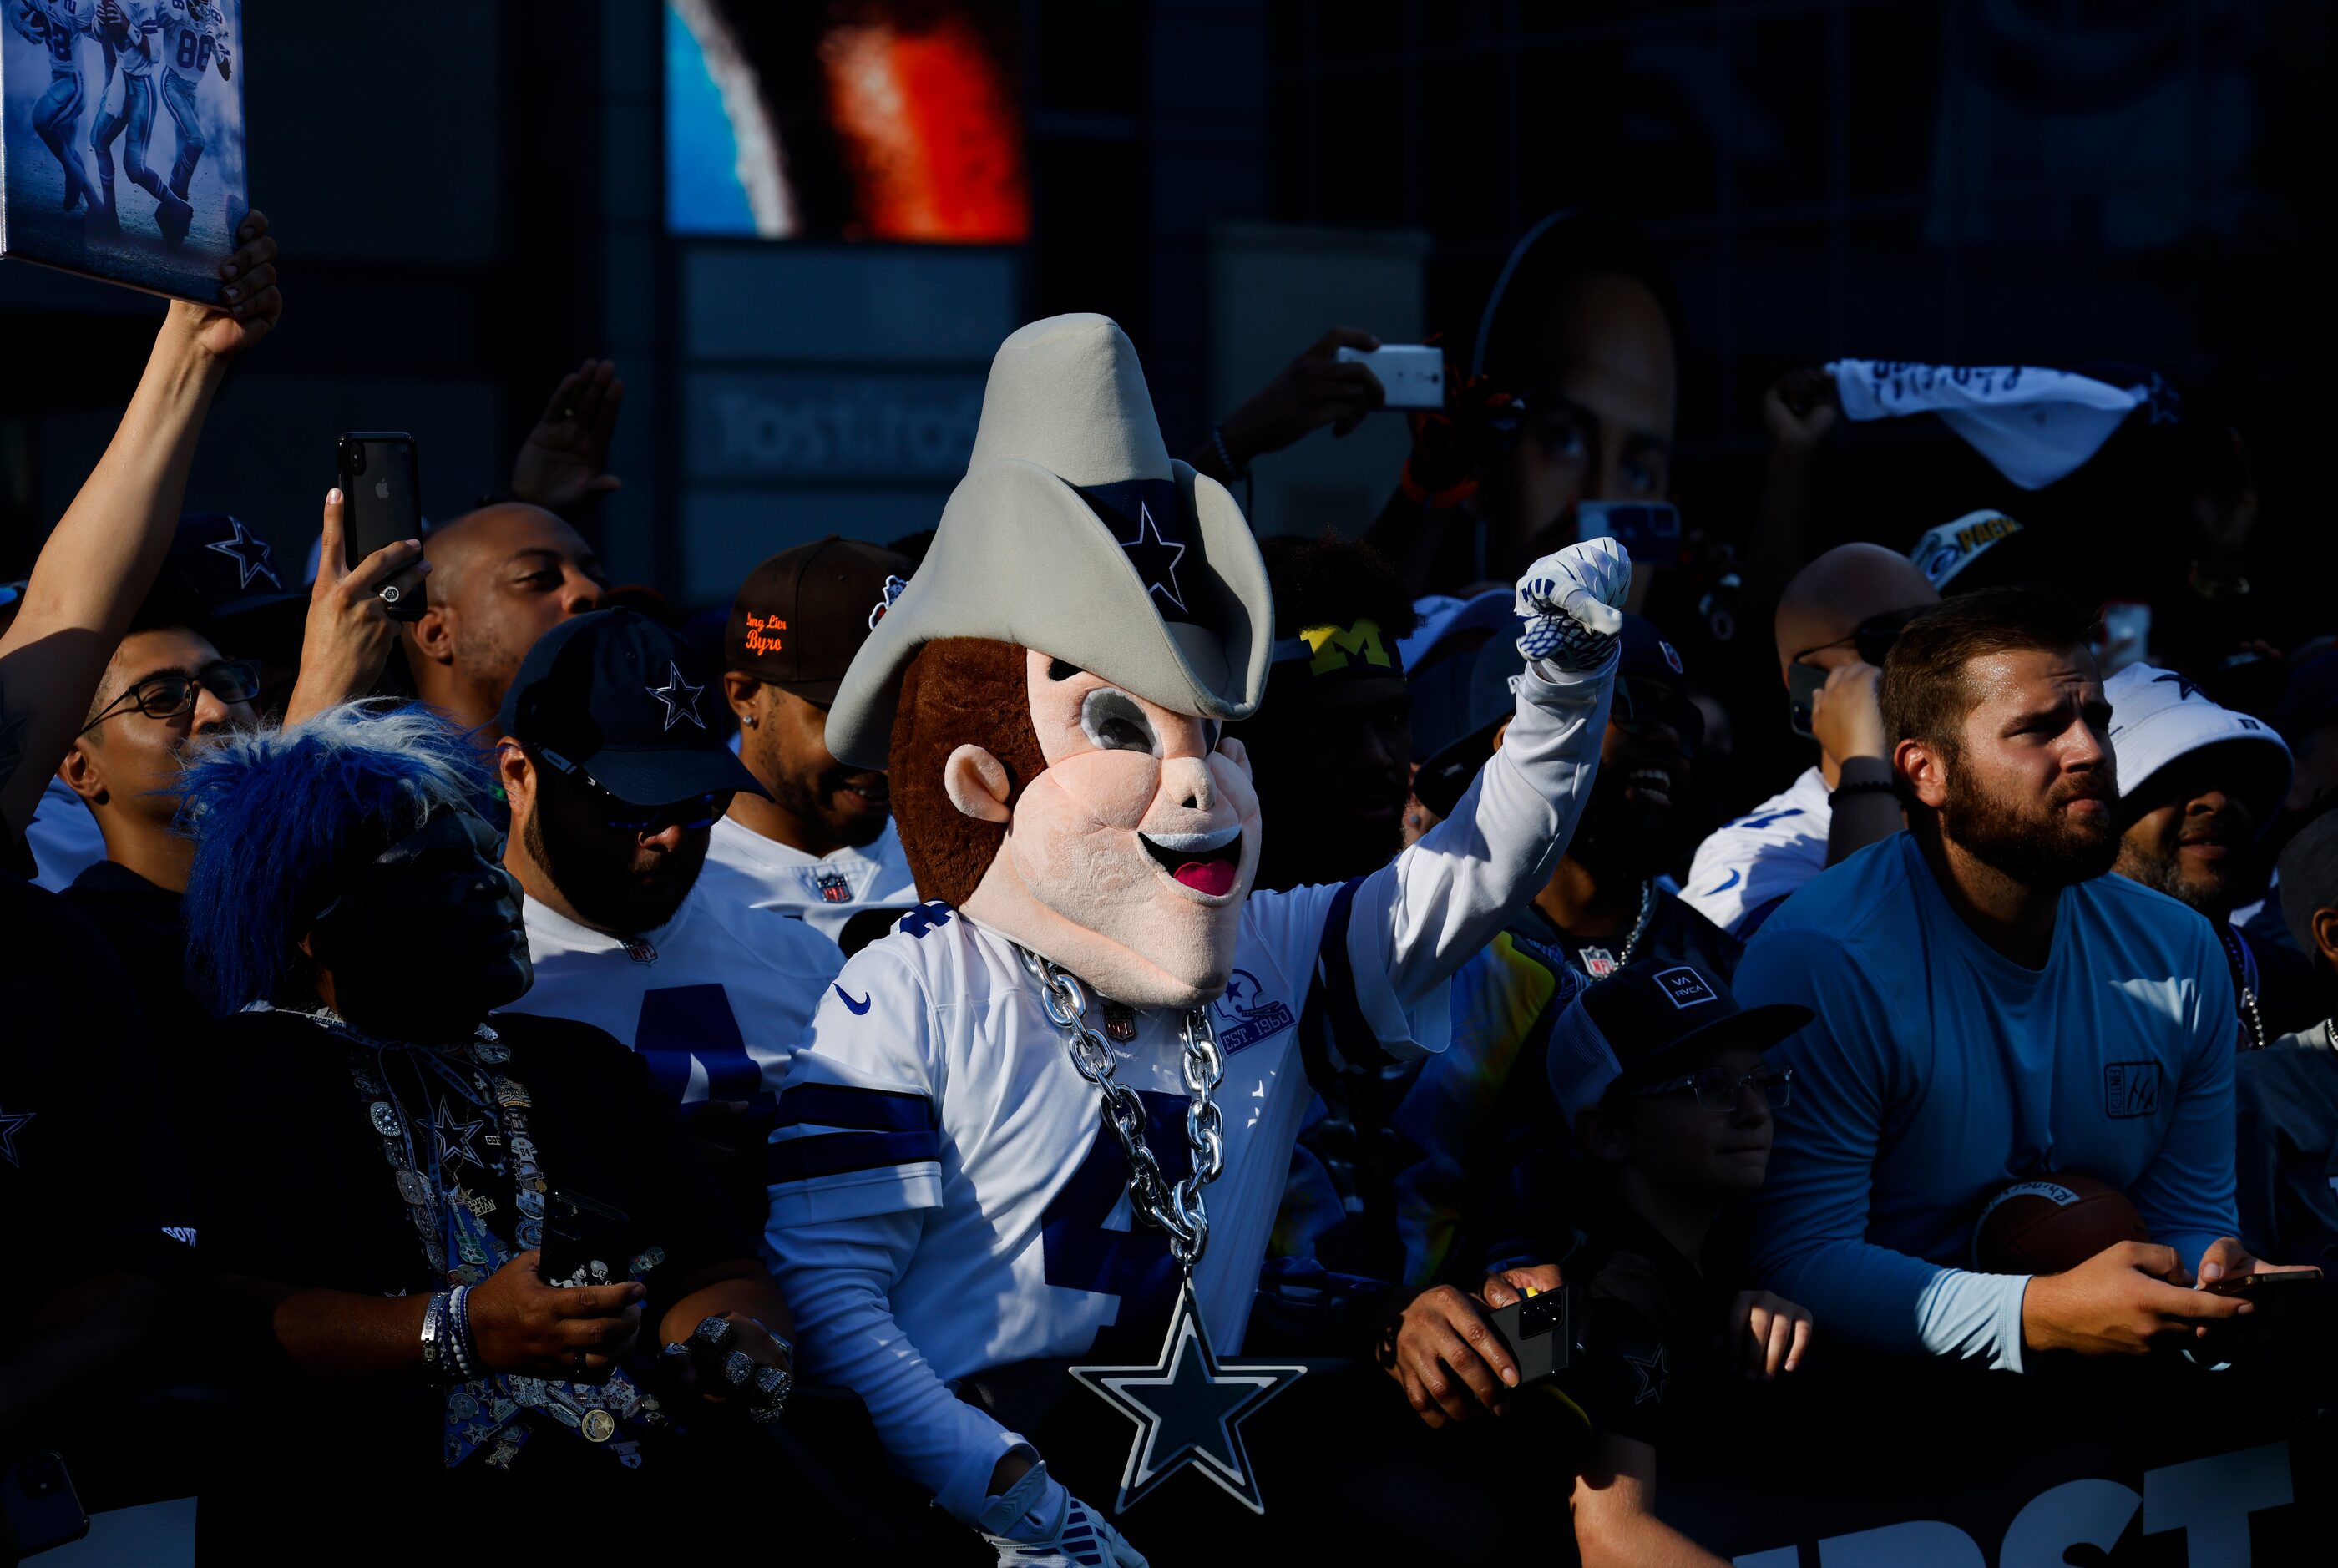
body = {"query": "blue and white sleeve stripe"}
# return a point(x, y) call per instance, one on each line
point(844, 1150)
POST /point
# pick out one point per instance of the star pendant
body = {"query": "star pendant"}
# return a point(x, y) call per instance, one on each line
point(1188, 1409)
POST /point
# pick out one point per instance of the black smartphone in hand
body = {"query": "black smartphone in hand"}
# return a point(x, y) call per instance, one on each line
point(42, 1508)
point(580, 1232)
point(1803, 684)
point(381, 504)
point(1540, 1332)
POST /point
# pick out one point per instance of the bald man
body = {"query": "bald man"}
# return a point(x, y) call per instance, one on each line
point(500, 578)
point(1837, 614)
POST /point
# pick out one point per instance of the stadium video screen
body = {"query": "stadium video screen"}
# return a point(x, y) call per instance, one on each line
point(893, 120)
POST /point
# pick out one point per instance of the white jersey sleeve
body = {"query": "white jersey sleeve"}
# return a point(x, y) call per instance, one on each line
point(1744, 868)
point(858, 1132)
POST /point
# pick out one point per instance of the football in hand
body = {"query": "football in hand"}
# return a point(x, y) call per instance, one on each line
point(2052, 1223)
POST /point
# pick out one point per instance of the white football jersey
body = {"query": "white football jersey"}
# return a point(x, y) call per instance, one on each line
point(822, 891)
point(946, 1197)
point(718, 998)
point(58, 26)
point(194, 33)
point(1746, 867)
point(147, 36)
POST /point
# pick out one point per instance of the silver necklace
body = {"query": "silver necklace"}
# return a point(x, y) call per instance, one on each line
point(1639, 928)
point(2240, 978)
point(1174, 1207)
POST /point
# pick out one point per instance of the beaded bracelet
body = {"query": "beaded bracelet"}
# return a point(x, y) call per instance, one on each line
point(1226, 455)
point(467, 1354)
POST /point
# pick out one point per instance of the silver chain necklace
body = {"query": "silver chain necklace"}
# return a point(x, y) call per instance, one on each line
point(1639, 926)
point(1175, 1207)
point(2240, 979)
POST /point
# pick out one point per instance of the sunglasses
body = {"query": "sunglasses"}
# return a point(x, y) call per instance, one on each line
point(623, 816)
point(1871, 638)
point(1718, 1089)
point(169, 696)
point(1639, 701)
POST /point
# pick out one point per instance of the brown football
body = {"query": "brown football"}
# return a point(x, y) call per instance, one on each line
point(2052, 1223)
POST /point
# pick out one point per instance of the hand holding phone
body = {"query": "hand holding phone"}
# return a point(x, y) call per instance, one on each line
point(1411, 374)
point(2262, 1283)
point(585, 1243)
point(382, 505)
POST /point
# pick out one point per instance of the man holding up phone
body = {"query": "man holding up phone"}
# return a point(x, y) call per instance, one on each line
point(1834, 624)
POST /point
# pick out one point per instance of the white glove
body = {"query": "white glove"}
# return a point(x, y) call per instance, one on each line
point(1569, 603)
point(1036, 1523)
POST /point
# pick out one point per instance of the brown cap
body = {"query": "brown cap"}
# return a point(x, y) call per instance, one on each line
point(803, 615)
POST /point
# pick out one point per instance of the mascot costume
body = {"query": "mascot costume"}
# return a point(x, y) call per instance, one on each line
point(1093, 1018)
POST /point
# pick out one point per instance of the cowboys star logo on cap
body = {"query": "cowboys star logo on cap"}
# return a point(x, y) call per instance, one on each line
point(1156, 562)
point(1672, 656)
point(680, 697)
point(251, 555)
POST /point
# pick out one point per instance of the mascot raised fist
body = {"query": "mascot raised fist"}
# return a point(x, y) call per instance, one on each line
point(1037, 1123)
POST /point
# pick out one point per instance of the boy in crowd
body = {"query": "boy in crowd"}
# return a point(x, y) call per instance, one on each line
point(1989, 1007)
point(1839, 615)
point(2289, 1095)
point(1661, 1079)
point(2198, 786)
point(817, 845)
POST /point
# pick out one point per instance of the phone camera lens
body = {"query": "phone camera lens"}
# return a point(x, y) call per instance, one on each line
point(356, 456)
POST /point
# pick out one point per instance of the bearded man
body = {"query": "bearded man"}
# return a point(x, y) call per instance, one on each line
point(948, 1195)
point(1991, 1008)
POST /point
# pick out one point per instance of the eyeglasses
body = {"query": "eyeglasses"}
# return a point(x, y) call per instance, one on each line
point(168, 696)
point(1871, 638)
point(1718, 1089)
point(623, 816)
point(1640, 701)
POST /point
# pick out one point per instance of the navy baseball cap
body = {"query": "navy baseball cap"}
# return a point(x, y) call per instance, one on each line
point(1646, 1012)
point(1649, 674)
point(627, 702)
point(216, 561)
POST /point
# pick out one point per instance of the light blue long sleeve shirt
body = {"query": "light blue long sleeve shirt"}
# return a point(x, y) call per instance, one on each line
point(1937, 1071)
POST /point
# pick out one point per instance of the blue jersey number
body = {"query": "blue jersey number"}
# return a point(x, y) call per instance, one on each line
point(195, 50)
point(684, 1024)
point(1133, 1264)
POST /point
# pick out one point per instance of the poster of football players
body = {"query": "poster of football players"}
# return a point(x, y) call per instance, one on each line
point(123, 138)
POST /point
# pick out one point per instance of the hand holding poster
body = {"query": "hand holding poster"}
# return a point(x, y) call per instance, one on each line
point(122, 137)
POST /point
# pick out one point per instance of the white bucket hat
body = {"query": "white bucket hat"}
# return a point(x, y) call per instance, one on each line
point(1073, 532)
point(2158, 717)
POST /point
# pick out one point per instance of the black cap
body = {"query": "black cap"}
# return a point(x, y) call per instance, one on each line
point(2308, 877)
point(801, 615)
point(1492, 697)
point(1648, 1011)
point(620, 697)
point(216, 561)
point(2310, 699)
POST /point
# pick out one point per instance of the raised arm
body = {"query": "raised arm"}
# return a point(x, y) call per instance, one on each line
point(1420, 917)
point(102, 556)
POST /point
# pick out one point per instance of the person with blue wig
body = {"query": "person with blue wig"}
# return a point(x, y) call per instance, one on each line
point(471, 1255)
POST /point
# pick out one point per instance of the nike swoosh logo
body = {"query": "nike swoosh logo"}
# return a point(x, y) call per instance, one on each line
point(1734, 878)
point(845, 996)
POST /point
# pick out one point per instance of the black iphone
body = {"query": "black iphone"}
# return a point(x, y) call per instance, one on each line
point(1803, 684)
point(578, 1232)
point(381, 504)
point(42, 1507)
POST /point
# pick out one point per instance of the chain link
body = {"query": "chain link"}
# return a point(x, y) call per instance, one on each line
point(1174, 1207)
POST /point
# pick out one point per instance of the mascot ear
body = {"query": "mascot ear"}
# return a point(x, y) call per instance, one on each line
point(977, 784)
point(1236, 752)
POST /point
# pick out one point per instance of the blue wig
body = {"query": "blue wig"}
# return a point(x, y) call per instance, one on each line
point(279, 815)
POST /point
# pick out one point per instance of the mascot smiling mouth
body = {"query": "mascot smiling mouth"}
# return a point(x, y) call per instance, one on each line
point(1208, 863)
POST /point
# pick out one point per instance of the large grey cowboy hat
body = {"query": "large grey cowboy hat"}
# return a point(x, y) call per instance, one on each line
point(1073, 532)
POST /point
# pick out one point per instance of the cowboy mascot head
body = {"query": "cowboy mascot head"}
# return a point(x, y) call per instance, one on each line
point(1047, 693)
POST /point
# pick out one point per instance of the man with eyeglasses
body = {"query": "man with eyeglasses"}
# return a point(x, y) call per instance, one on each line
point(1660, 1096)
point(616, 776)
point(167, 688)
point(1836, 620)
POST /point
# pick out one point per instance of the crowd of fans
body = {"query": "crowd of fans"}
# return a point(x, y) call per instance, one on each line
point(393, 1111)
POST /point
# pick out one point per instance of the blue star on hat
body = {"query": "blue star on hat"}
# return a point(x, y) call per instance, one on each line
point(1155, 563)
point(9, 1127)
point(680, 697)
point(251, 554)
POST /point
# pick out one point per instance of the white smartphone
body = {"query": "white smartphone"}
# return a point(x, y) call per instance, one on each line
point(1411, 374)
